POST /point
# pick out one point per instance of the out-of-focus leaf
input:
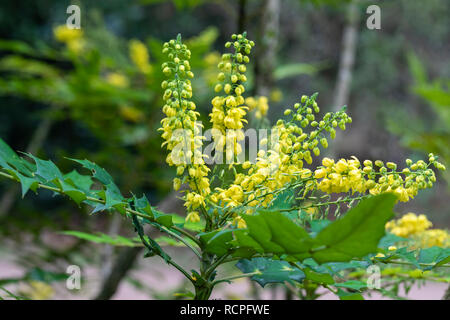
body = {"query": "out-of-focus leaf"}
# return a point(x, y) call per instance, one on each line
point(104, 238)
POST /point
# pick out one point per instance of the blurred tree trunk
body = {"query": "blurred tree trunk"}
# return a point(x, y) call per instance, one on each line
point(265, 60)
point(127, 256)
point(447, 294)
point(107, 254)
point(37, 140)
point(242, 17)
point(346, 62)
point(266, 48)
point(347, 57)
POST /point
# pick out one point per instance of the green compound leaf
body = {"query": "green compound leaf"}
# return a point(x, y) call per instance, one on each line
point(81, 182)
point(217, 242)
point(71, 191)
point(46, 169)
point(10, 161)
point(357, 233)
point(270, 271)
point(344, 295)
point(27, 184)
point(104, 238)
point(272, 232)
point(151, 245)
point(352, 284)
point(322, 278)
point(143, 205)
point(436, 256)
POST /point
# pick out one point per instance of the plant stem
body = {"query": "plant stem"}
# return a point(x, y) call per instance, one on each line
point(187, 244)
point(251, 274)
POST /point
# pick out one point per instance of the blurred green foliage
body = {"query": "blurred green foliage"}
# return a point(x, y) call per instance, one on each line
point(430, 133)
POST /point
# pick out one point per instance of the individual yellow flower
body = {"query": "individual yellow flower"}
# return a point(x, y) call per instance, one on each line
point(240, 222)
point(193, 217)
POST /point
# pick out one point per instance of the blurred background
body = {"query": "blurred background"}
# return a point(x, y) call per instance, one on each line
point(98, 96)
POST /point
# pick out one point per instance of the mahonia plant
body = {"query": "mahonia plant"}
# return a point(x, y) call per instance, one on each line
point(233, 210)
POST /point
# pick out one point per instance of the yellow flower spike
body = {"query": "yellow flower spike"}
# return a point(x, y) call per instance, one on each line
point(139, 55)
point(228, 112)
point(181, 119)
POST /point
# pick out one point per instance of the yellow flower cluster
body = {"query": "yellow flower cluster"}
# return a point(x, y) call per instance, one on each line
point(418, 227)
point(180, 131)
point(73, 38)
point(117, 80)
point(433, 237)
point(349, 175)
point(38, 290)
point(283, 163)
point(139, 55)
point(260, 105)
point(211, 61)
point(131, 113)
point(282, 155)
point(228, 110)
point(409, 224)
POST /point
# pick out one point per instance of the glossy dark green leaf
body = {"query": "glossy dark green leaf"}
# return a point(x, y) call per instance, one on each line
point(46, 169)
point(217, 242)
point(352, 284)
point(357, 233)
point(103, 238)
point(272, 232)
point(344, 295)
point(322, 278)
point(436, 256)
point(270, 271)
